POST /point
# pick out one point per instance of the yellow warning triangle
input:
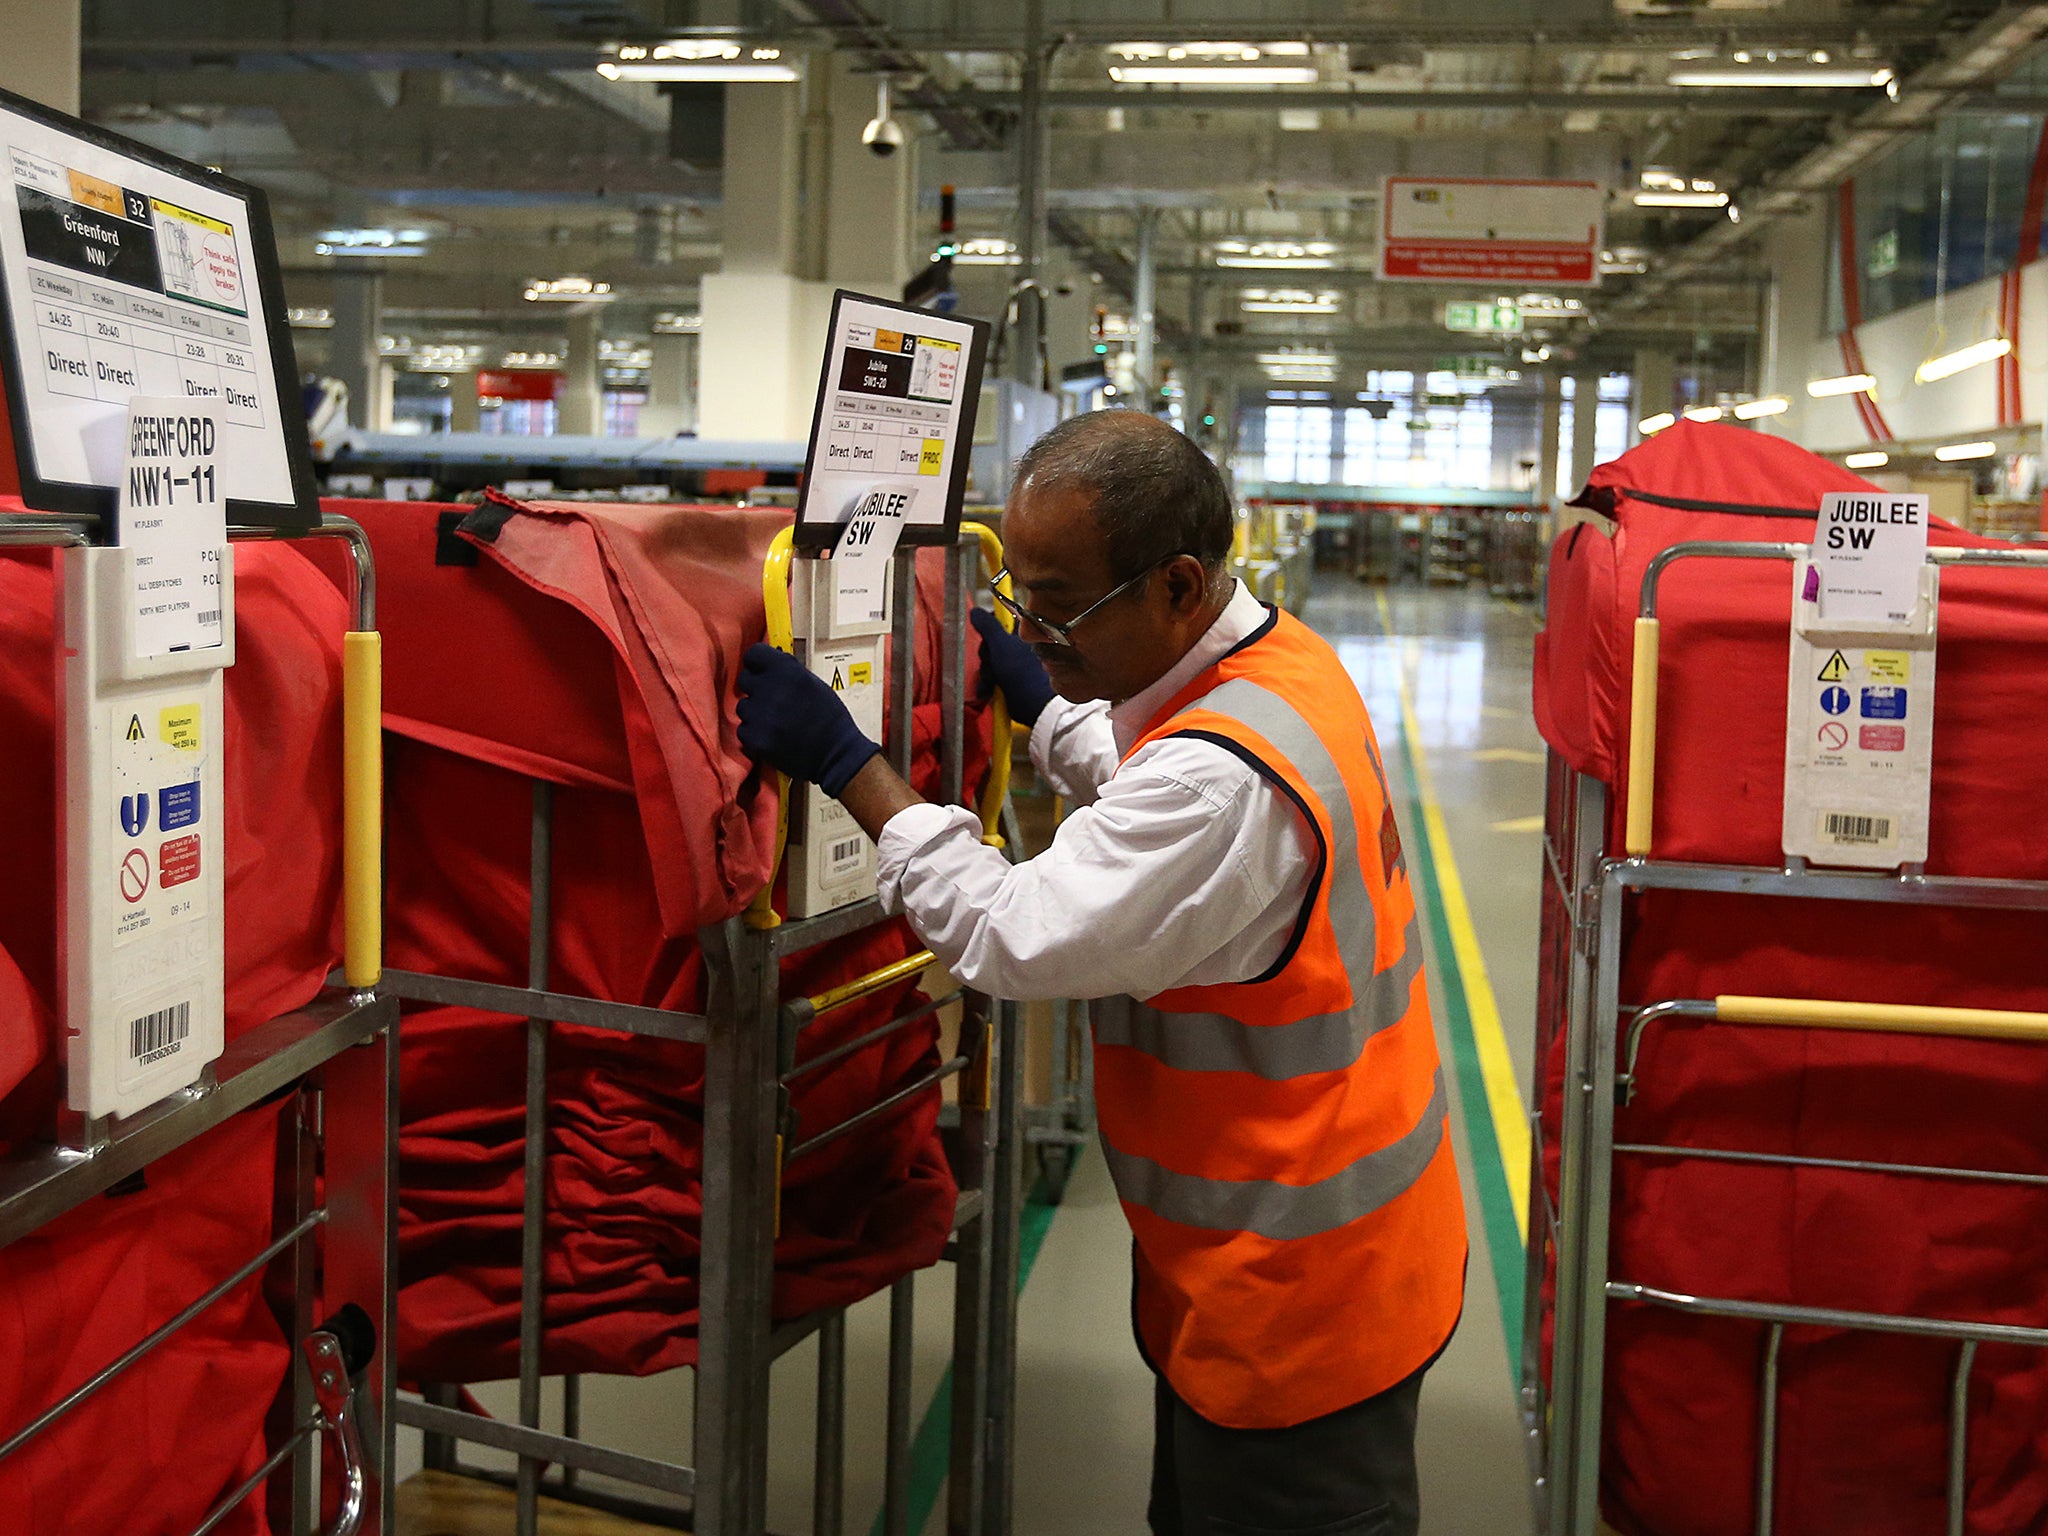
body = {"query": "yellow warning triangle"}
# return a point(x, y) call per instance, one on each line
point(1836, 669)
point(135, 727)
point(838, 682)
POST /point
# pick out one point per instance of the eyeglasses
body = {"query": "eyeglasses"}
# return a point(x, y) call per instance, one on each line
point(1058, 633)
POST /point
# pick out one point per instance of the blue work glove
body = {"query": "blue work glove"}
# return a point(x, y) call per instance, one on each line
point(1015, 668)
point(793, 721)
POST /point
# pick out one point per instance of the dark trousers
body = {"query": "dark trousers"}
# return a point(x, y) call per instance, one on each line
point(1350, 1473)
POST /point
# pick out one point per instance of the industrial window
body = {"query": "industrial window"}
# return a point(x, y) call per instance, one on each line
point(1938, 212)
point(1376, 446)
point(1298, 444)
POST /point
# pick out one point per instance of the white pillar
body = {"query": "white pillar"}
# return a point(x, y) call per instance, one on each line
point(582, 404)
point(671, 407)
point(383, 407)
point(40, 57)
point(356, 297)
point(1585, 427)
point(1548, 435)
point(758, 207)
point(1656, 385)
point(1796, 253)
point(1069, 316)
point(1144, 308)
point(463, 414)
point(764, 325)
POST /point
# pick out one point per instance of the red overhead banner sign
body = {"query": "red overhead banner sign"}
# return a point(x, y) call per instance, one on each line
point(518, 384)
point(1482, 230)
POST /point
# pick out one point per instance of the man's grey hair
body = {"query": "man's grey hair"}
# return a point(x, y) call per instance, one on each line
point(1155, 492)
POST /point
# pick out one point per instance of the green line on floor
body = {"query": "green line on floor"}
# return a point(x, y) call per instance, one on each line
point(931, 1450)
point(1485, 1083)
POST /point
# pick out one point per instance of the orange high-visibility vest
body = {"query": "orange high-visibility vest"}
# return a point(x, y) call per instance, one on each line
point(1281, 1145)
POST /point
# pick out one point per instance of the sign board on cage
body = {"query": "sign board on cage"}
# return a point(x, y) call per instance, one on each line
point(126, 273)
point(896, 401)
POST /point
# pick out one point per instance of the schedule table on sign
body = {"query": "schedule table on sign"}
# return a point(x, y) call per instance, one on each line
point(99, 343)
point(894, 437)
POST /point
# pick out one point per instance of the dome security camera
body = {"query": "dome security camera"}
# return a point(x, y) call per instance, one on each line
point(883, 134)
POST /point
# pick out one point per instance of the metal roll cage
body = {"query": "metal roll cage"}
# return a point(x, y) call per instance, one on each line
point(1603, 1045)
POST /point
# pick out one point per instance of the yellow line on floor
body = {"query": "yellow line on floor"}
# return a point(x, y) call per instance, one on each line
point(1503, 1095)
point(1519, 824)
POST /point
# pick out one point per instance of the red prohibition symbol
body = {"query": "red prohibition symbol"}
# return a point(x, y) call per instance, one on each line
point(134, 875)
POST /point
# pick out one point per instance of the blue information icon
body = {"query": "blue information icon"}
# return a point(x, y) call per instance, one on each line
point(1835, 700)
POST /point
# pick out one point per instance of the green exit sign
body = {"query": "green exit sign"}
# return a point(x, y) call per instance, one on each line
point(1479, 318)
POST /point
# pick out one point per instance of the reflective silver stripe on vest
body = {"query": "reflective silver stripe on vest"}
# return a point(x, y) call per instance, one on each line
point(1215, 1042)
point(1324, 1042)
point(1284, 1212)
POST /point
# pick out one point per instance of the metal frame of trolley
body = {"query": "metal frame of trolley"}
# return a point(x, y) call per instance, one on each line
point(1562, 1423)
point(337, 1061)
point(750, 1033)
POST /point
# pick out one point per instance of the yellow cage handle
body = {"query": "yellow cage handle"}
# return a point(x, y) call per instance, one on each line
point(997, 789)
point(761, 913)
point(1886, 1018)
point(362, 808)
point(1642, 742)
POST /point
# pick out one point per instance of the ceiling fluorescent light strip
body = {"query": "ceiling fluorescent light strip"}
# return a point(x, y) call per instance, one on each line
point(1650, 199)
point(698, 71)
point(1649, 426)
point(1871, 460)
point(1949, 453)
point(1841, 384)
point(1769, 405)
point(1951, 363)
point(1277, 263)
point(1812, 79)
point(1214, 74)
point(1703, 413)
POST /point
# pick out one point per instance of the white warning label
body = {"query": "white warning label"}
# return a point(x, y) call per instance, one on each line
point(161, 842)
point(1859, 724)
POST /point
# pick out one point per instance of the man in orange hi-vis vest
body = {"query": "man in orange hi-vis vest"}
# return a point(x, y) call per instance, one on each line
point(1231, 884)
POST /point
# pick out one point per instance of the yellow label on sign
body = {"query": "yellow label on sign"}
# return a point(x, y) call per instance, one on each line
point(862, 674)
point(91, 192)
point(180, 727)
point(932, 458)
point(1888, 666)
point(173, 211)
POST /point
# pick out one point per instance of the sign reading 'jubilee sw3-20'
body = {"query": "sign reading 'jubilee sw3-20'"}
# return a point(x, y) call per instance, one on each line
point(1487, 230)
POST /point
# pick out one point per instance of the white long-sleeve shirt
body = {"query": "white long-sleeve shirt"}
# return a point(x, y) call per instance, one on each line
point(1181, 867)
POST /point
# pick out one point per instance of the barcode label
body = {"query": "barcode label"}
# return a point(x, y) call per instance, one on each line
point(845, 853)
point(157, 1035)
point(209, 616)
point(1848, 829)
